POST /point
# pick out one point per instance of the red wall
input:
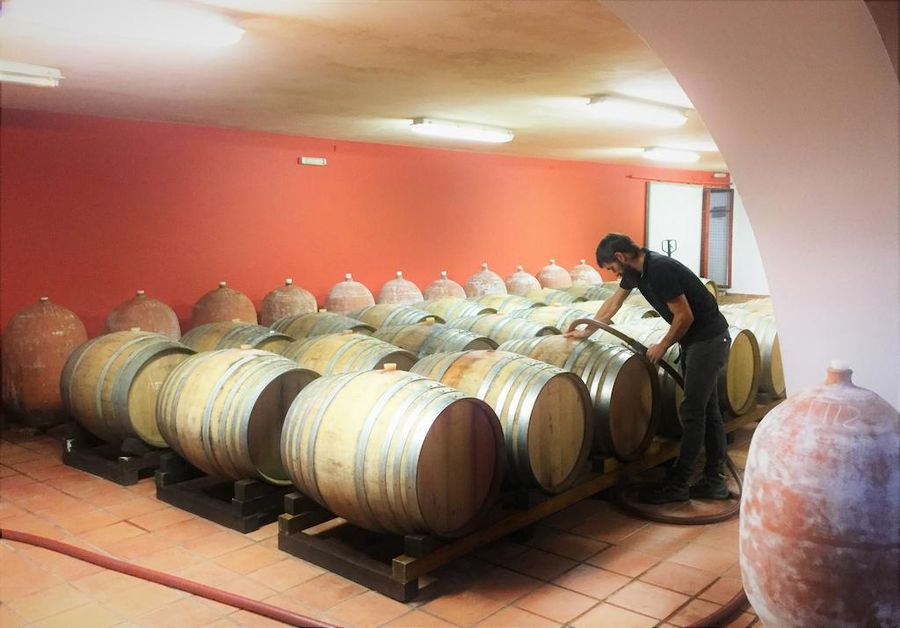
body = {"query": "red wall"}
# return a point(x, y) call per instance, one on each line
point(94, 208)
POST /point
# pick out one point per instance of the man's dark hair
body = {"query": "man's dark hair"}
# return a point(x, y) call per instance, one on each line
point(615, 243)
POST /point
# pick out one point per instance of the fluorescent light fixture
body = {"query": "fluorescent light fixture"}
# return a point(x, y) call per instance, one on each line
point(461, 131)
point(28, 74)
point(635, 110)
point(671, 155)
point(134, 21)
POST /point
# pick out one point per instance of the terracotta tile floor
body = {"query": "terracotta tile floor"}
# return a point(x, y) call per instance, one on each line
point(587, 566)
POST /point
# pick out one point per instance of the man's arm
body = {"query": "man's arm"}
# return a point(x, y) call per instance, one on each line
point(682, 318)
point(605, 313)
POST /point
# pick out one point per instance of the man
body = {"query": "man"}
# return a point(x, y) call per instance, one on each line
point(696, 323)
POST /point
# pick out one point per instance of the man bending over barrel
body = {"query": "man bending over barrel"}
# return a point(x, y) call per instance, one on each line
point(696, 323)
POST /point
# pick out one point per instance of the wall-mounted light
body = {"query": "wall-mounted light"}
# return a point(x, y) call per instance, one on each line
point(636, 110)
point(671, 155)
point(28, 74)
point(461, 131)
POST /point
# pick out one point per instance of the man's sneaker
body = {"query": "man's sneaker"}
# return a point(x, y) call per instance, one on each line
point(664, 494)
point(711, 487)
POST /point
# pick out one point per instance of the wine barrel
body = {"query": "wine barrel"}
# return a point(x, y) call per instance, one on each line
point(556, 316)
point(36, 344)
point(319, 324)
point(593, 293)
point(429, 338)
point(545, 412)
point(234, 335)
point(147, 314)
point(624, 389)
point(394, 452)
point(500, 328)
point(450, 308)
point(223, 411)
point(346, 353)
point(386, 314)
point(223, 304)
point(550, 296)
point(763, 327)
point(110, 384)
point(504, 303)
point(286, 300)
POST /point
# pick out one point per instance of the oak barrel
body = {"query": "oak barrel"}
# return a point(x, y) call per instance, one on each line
point(346, 353)
point(319, 324)
point(234, 335)
point(429, 338)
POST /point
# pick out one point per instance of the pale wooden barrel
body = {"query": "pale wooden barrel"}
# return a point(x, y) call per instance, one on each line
point(763, 328)
point(549, 296)
point(451, 308)
point(319, 324)
point(545, 412)
point(346, 353)
point(500, 328)
point(429, 338)
point(394, 452)
point(110, 384)
point(387, 314)
point(223, 411)
point(503, 303)
point(623, 386)
point(234, 335)
point(594, 293)
point(626, 314)
point(558, 316)
point(711, 287)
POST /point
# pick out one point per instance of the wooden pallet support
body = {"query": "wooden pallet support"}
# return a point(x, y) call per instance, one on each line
point(124, 463)
point(242, 505)
point(392, 565)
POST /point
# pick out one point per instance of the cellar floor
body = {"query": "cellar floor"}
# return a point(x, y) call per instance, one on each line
point(588, 565)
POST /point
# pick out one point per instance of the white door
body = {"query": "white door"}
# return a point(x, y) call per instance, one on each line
point(675, 221)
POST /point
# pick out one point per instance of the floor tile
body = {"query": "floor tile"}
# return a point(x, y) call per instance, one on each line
point(251, 558)
point(464, 608)
point(540, 564)
point(171, 560)
point(189, 530)
point(503, 585)
point(556, 603)
point(654, 542)
point(648, 599)
point(141, 598)
point(592, 581)
point(611, 528)
point(419, 619)
point(742, 621)
point(501, 551)
point(246, 618)
point(134, 507)
point(105, 583)
point(160, 518)
point(93, 615)
point(692, 612)
point(286, 573)
point(624, 561)
point(145, 544)
point(512, 616)
point(111, 534)
point(323, 592)
point(211, 574)
point(564, 544)
point(48, 602)
point(184, 613)
point(606, 615)
point(368, 609)
point(681, 578)
point(722, 590)
point(705, 558)
point(218, 543)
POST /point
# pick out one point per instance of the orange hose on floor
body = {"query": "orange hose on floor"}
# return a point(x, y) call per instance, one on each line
point(169, 580)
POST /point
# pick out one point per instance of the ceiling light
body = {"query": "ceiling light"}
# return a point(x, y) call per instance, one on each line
point(461, 131)
point(633, 110)
point(657, 153)
point(28, 74)
point(140, 21)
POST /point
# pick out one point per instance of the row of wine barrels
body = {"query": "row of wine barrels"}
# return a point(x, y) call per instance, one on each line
point(346, 352)
point(500, 328)
point(110, 383)
point(385, 315)
point(623, 387)
point(763, 328)
point(319, 324)
point(504, 303)
point(550, 296)
point(545, 412)
point(36, 344)
point(394, 452)
point(449, 308)
point(233, 335)
point(556, 316)
point(428, 338)
point(223, 411)
point(593, 293)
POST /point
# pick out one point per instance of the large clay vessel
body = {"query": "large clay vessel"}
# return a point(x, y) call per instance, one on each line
point(583, 274)
point(145, 313)
point(286, 300)
point(400, 291)
point(554, 276)
point(443, 288)
point(348, 295)
point(820, 512)
point(521, 283)
point(223, 304)
point(485, 281)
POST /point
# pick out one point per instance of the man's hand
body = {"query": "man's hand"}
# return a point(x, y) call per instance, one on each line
point(578, 334)
point(656, 352)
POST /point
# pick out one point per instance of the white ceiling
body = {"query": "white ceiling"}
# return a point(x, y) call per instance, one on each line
point(359, 70)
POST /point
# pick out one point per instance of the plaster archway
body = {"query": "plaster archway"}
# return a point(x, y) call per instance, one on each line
point(802, 100)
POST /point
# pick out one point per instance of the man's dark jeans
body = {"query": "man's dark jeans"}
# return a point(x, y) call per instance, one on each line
point(701, 419)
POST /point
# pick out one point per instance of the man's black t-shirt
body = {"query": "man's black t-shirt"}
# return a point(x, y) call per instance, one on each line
point(664, 279)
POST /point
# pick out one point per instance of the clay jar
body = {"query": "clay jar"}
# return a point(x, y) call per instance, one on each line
point(484, 282)
point(554, 276)
point(584, 274)
point(348, 295)
point(444, 288)
point(521, 283)
point(400, 291)
point(223, 304)
point(286, 300)
point(819, 532)
point(146, 314)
